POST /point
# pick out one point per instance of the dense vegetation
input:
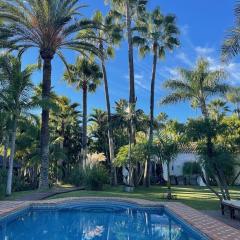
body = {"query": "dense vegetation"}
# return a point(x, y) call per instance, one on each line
point(67, 144)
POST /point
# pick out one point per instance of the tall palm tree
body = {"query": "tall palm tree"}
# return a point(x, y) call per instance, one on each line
point(15, 98)
point(104, 38)
point(196, 85)
point(233, 96)
point(48, 26)
point(231, 44)
point(129, 11)
point(158, 35)
point(86, 75)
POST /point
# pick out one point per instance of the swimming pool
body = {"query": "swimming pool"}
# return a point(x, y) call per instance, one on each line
point(97, 221)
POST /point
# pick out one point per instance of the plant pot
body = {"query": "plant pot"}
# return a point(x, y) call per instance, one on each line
point(128, 189)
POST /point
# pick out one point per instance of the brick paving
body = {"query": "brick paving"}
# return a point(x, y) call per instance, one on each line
point(212, 228)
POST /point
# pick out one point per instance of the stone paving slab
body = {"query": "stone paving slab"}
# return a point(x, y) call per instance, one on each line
point(209, 226)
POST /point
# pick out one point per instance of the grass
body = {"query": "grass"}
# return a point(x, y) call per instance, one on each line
point(197, 197)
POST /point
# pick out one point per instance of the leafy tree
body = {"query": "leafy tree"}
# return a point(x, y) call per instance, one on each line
point(48, 26)
point(196, 85)
point(217, 157)
point(168, 150)
point(86, 75)
point(15, 98)
point(233, 96)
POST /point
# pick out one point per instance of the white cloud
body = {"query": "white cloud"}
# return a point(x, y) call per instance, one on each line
point(203, 51)
point(184, 29)
point(142, 85)
point(184, 58)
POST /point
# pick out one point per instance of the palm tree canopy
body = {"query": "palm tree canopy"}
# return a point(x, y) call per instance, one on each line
point(84, 73)
point(158, 33)
point(196, 85)
point(46, 25)
point(107, 34)
point(16, 88)
point(231, 45)
point(137, 8)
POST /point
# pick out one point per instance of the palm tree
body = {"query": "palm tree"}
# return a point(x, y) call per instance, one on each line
point(86, 75)
point(231, 45)
point(104, 38)
point(233, 96)
point(217, 109)
point(159, 34)
point(48, 26)
point(129, 11)
point(15, 98)
point(196, 85)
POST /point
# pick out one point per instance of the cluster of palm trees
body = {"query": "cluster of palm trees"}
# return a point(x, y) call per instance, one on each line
point(57, 25)
point(52, 26)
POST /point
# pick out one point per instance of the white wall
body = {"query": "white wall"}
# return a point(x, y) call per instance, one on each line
point(176, 166)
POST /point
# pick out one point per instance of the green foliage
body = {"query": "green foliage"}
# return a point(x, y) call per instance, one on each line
point(138, 154)
point(75, 176)
point(190, 168)
point(96, 176)
point(3, 182)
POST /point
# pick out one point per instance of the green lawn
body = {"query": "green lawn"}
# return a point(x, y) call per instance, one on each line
point(197, 197)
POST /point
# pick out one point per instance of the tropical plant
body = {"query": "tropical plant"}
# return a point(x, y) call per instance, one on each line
point(216, 156)
point(48, 26)
point(168, 150)
point(15, 98)
point(105, 37)
point(233, 96)
point(197, 86)
point(157, 35)
point(217, 109)
point(85, 75)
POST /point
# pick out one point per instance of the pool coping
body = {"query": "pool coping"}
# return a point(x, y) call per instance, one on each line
point(206, 225)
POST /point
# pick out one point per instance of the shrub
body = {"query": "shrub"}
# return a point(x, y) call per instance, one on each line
point(96, 176)
point(75, 177)
point(191, 168)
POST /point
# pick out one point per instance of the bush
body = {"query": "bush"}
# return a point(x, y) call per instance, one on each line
point(75, 177)
point(191, 168)
point(96, 176)
point(3, 182)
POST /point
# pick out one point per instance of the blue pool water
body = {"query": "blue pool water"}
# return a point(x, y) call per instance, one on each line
point(97, 221)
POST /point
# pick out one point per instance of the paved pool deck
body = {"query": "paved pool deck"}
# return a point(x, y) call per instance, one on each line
point(209, 226)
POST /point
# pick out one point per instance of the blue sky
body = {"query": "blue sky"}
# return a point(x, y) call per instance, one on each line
point(203, 25)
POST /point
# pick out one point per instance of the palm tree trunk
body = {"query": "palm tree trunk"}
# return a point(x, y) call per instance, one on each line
point(5, 152)
point(10, 167)
point(46, 90)
point(110, 131)
point(84, 136)
point(169, 194)
point(151, 119)
point(132, 99)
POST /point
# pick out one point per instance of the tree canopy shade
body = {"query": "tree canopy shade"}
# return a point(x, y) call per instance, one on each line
point(48, 26)
point(196, 85)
